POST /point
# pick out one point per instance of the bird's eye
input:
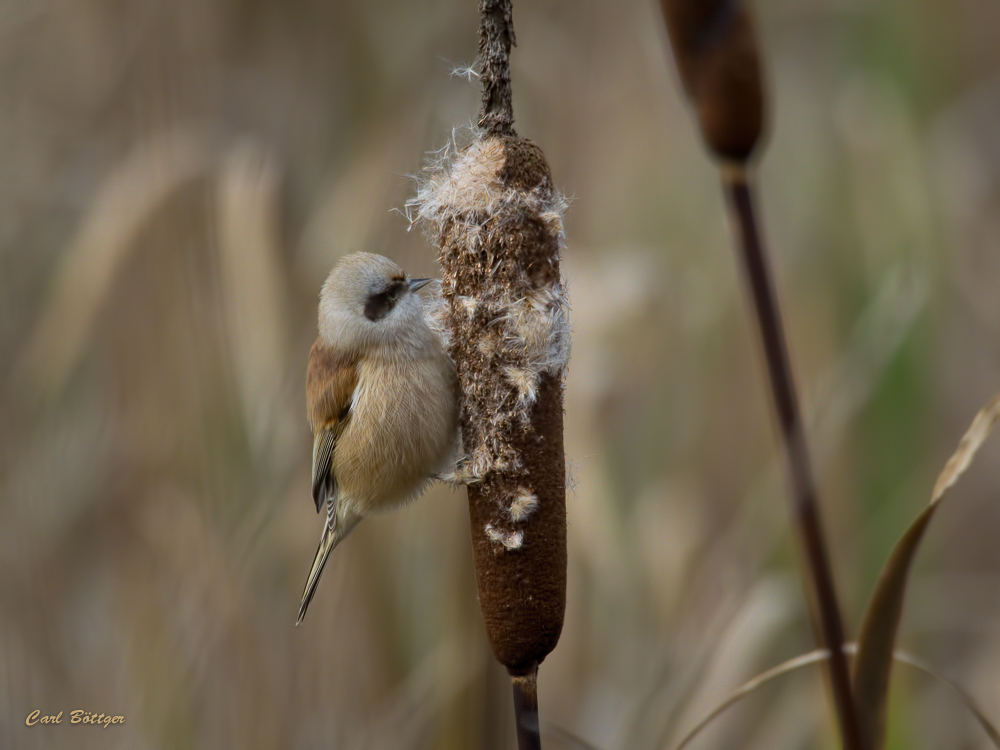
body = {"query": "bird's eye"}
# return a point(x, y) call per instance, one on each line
point(379, 304)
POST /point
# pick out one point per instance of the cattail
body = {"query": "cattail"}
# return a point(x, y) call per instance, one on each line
point(496, 219)
point(717, 58)
point(716, 53)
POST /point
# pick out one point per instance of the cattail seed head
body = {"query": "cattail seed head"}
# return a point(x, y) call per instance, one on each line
point(716, 52)
point(497, 222)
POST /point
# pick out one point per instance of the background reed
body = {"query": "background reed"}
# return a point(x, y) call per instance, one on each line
point(716, 51)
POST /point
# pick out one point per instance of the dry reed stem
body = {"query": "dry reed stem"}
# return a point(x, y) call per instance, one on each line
point(805, 511)
point(131, 194)
point(496, 37)
point(719, 64)
point(526, 711)
point(822, 655)
point(253, 286)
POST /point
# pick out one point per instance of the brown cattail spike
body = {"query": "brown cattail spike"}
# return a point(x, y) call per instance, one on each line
point(497, 222)
point(716, 53)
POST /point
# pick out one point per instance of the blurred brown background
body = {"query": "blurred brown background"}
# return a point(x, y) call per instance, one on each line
point(178, 177)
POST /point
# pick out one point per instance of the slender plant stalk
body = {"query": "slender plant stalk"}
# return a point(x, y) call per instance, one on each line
point(805, 510)
point(496, 219)
point(496, 118)
point(526, 711)
point(718, 60)
point(496, 37)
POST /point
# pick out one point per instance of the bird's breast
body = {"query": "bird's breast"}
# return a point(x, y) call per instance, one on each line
point(400, 431)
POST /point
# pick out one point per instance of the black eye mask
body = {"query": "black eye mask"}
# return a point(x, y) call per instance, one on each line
point(378, 304)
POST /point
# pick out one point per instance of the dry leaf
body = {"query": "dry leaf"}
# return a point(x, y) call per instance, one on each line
point(877, 639)
point(819, 655)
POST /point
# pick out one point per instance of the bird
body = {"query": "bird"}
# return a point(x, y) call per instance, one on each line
point(381, 396)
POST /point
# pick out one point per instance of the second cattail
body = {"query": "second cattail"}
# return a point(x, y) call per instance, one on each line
point(717, 59)
point(718, 62)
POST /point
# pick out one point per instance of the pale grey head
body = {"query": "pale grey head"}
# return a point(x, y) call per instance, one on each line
point(369, 301)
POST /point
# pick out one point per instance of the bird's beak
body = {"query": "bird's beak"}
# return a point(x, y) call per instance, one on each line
point(416, 284)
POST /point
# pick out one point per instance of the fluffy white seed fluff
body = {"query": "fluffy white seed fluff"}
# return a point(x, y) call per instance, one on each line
point(528, 331)
point(522, 507)
point(509, 539)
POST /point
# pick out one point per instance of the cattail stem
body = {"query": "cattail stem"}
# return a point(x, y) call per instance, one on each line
point(804, 506)
point(719, 64)
point(526, 711)
point(496, 219)
point(496, 36)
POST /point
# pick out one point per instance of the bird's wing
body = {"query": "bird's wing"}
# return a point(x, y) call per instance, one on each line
point(331, 381)
point(324, 483)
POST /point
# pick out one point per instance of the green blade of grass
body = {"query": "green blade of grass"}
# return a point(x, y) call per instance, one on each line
point(921, 665)
point(877, 638)
point(750, 686)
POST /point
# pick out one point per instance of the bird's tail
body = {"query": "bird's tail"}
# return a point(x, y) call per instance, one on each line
point(334, 532)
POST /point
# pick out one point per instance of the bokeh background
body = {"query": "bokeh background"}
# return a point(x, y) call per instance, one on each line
point(177, 177)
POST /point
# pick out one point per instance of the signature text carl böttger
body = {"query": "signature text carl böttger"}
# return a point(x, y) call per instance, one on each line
point(75, 717)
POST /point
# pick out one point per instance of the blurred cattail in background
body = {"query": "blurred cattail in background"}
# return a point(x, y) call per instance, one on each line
point(717, 58)
point(716, 53)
